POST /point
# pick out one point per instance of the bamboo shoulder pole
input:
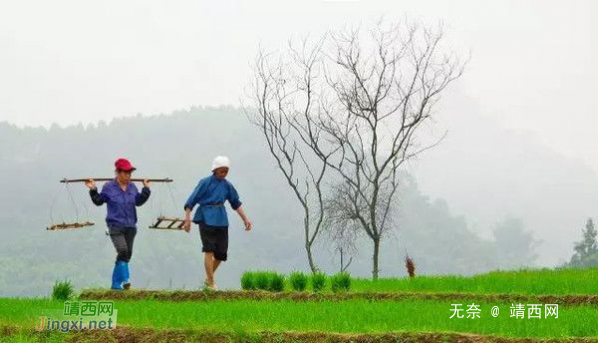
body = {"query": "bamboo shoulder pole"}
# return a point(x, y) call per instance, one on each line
point(100, 179)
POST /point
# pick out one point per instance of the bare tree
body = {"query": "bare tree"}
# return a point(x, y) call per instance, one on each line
point(278, 97)
point(343, 207)
point(340, 227)
point(365, 96)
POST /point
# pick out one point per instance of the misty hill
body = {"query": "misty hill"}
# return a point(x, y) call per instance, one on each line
point(489, 172)
point(181, 146)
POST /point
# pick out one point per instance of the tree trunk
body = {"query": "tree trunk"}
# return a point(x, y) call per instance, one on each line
point(376, 256)
point(312, 264)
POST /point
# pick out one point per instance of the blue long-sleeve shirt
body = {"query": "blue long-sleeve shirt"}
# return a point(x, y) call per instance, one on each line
point(121, 204)
point(211, 193)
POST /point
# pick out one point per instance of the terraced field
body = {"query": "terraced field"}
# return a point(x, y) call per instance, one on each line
point(388, 310)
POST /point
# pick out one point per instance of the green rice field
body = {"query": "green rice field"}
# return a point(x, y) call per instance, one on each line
point(543, 281)
point(339, 317)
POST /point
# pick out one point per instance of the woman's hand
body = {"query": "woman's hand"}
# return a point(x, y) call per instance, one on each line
point(248, 224)
point(146, 183)
point(244, 218)
point(91, 184)
point(187, 225)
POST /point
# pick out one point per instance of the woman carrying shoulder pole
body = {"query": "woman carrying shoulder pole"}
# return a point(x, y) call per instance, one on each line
point(121, 196)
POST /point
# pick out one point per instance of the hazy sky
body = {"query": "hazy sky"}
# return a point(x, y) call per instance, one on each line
point(533, 63)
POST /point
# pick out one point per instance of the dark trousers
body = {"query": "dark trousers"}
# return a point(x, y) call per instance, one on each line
point(123, 239)
point(214, 239)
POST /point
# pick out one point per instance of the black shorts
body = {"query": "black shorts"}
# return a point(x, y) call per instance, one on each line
point(214, 239)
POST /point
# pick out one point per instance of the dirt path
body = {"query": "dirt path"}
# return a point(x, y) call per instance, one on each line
point(562, 300)
point(124, 334)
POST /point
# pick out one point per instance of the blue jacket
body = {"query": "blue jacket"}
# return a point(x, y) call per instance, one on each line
point(211, 193)
point(121, 204)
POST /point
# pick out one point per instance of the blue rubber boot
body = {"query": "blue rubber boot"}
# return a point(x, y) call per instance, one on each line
point(126, 282)
point(118, 275)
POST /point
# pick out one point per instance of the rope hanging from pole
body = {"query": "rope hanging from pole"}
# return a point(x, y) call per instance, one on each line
point(77, 224)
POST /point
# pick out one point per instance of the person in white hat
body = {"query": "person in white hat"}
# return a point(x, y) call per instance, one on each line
point(210, 193)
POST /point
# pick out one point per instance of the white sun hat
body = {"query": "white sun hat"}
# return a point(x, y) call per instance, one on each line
point(220, 162)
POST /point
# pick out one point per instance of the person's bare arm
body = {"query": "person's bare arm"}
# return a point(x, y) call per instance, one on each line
point(244, 218)
point(187, 225)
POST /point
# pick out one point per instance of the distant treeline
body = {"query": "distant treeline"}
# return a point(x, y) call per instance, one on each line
point(181, 146)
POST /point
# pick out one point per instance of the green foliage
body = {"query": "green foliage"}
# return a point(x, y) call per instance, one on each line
point(262, 280)
point(318, 281)
point(248, 281)
point(298, 281)
point(63, 290)
point(586, 250)
point(276, 282)
point(341, 282)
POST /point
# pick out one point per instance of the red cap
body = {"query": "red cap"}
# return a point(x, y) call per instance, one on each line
point(124, 165)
